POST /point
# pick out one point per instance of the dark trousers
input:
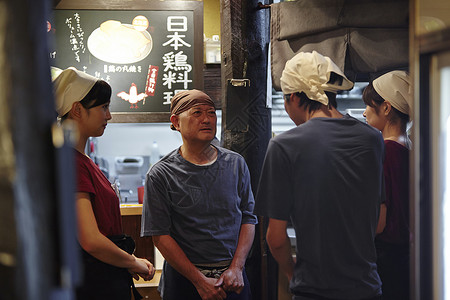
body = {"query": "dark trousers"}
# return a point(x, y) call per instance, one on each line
point(393, 268)
point(175, 286)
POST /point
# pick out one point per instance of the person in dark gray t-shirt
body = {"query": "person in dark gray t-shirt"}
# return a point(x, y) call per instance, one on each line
point(325, 176)
point(198, 208)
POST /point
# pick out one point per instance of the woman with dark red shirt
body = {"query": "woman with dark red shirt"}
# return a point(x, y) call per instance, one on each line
point(387, 101)
point(107, 253)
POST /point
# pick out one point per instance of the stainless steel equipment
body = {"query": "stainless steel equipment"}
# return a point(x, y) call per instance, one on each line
point(129, 176)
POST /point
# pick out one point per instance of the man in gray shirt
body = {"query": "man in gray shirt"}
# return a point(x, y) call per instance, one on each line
point(198, 208)
point(326, 177)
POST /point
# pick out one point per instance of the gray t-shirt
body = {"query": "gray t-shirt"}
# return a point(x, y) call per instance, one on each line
point(326, 177)
point(201, 207)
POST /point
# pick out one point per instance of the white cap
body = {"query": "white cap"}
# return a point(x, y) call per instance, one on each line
point(310, 73)
point(70, 86)
point(395, 87)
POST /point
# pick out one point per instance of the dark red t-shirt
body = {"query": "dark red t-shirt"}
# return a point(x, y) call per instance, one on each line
point(105, 202)
point(396, 174)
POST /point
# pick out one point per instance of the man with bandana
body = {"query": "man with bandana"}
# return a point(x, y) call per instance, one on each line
point(198, 208)
point(325, 178)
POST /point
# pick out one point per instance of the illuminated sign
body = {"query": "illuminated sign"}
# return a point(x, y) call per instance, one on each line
point(146, 56)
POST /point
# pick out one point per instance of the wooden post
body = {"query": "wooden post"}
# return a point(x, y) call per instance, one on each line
point(28, 107)
point(246, 120)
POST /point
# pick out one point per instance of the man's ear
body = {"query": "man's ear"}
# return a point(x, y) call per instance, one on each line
point(294, 99)
point(175, 121)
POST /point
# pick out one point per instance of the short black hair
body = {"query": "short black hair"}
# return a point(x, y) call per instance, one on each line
point(313, 105)
point(371, 97)
point(99, 94)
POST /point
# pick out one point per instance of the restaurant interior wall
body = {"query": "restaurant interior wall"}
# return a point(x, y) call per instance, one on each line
point(211, 18)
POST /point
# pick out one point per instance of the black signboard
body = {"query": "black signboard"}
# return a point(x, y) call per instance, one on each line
point(145, 55)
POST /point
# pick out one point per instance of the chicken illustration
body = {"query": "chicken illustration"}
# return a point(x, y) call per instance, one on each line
point(133, 97)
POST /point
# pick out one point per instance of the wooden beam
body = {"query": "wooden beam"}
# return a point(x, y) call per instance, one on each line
point(246, 119)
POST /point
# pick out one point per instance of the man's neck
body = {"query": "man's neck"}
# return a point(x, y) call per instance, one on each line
point(324, 112)
point(198, 153)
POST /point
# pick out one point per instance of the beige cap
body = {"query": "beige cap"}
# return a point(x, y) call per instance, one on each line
point(70, 86)
point(395, 87)
point(310, 73)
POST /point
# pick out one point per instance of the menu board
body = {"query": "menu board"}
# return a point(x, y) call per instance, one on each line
point(146, 56)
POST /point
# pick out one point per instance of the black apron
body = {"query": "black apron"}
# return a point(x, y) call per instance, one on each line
point(104, 281)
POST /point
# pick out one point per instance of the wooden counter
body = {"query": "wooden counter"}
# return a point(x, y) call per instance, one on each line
point(151, 283)
point(148, 289)
point(131, 209)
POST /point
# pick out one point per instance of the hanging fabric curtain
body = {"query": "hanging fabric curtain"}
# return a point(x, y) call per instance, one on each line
point(363, 37)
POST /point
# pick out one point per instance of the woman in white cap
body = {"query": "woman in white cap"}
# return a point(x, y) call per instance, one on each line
point(107, 253)
point(387, 101)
